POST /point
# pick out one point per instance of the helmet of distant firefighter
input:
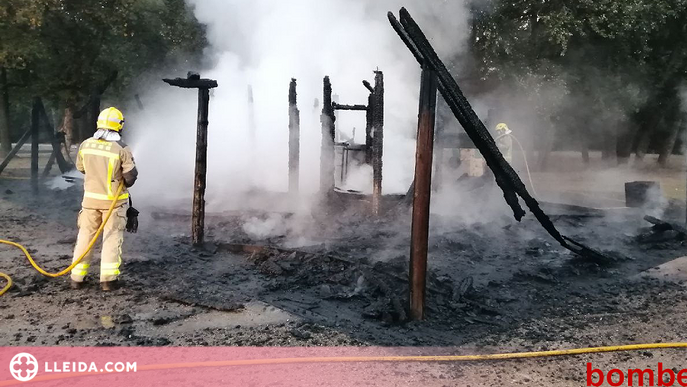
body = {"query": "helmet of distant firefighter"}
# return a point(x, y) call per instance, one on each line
point(111, 119)
point(502, 129)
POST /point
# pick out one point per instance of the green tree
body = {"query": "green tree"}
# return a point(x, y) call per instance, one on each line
point(614, 59)
point(70, 51)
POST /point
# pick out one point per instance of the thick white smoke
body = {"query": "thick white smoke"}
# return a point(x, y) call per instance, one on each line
point(263, 44)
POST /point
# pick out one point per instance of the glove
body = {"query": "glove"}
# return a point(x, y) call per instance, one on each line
point(132, 220)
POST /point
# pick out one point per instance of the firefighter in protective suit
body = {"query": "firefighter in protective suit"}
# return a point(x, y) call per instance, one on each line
point(107, 163)
point(504, 141)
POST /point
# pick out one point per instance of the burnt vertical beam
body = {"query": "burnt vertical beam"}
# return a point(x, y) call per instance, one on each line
point(328, 131)
point(200, 179)
point(335, 101)
point(294, 139)
point(377, 141)
point(368, 123)
point(35, 126)
point(193, 81)
point(422, 194)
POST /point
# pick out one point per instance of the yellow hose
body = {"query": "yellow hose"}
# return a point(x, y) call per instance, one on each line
point(364, 359)
point(76, 262)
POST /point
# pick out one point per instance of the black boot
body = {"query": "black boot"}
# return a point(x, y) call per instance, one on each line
point(75, 285)
point(109, 286)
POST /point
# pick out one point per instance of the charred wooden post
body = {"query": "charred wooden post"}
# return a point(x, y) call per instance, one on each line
point(35, 126)
point(193, 81)
point(328, 132)
point(422, 194)
point(377, 107)
point(368, 123)
point(294, 139)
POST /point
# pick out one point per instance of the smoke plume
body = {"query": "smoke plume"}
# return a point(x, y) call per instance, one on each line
point(261, 45)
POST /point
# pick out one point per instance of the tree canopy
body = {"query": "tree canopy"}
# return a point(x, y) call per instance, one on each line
point(64, 50)
point(616, 60)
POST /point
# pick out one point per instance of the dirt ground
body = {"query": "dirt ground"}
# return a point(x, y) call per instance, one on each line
point(498, 286)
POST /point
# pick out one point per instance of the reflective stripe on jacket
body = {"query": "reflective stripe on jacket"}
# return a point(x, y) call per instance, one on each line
point(106, 164)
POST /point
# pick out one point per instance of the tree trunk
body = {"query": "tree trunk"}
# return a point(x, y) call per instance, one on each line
point(669, 144)
point(610, 145)
point(627, 131)
point(647, 129)
point(5, 138)
point(583, 138)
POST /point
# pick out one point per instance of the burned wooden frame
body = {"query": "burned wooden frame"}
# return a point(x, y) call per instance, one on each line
point(39, 117)
point(506, 177)
point(374, 135)
point(193, 81)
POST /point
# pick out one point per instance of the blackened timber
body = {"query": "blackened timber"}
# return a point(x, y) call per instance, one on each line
point(422, 194)
point(192, 83)
point(368, 130)
point(368, 86)
point(35, 126)
point(193, 80)
point(294, 138)
point(400, 30)
point(377, 104)
point(199, 183)
point(337, 106)
point(506, 177)
point(328, 132)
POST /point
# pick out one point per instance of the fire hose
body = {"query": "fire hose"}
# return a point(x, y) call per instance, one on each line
point(524, 157)
point(76, 262)
point(503, 356)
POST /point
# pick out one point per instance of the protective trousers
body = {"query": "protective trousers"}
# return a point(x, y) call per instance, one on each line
point(113, 236)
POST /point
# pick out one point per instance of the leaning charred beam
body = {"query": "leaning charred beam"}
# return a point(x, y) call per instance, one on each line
point(506, 177)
